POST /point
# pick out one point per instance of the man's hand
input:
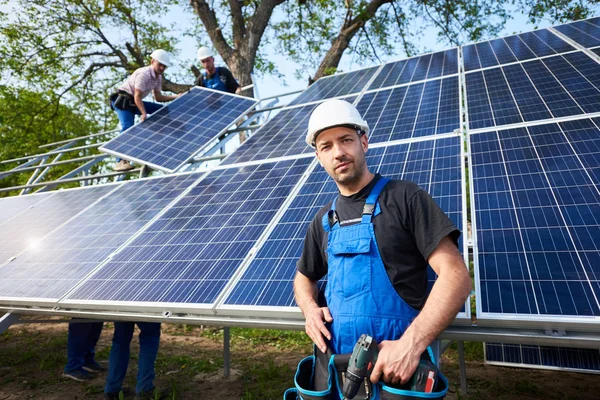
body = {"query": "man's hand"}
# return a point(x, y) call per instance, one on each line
point(315, 326)
point(143, 117)
point(396, 362)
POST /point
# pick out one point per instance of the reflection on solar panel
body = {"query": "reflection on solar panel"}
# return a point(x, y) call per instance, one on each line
point(585, 33)
point(418, 68)
point(173, 135)
point(190, 253)
point(67, 255)
point(10, 207)
point(537, 208)
point(416, 110)
point(512, 48)
point(336, 85)
point(597, 51)
point(557, 86)
point(283, 135)
point(527, 356)
point(29, 227)
point(434, 165)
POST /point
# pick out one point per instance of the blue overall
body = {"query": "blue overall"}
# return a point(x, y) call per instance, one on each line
point(359, 293)
point(215, 82)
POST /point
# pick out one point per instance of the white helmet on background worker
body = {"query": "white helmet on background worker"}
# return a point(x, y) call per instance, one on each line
point(332, 113)
point(203, 53)
point(162, 57)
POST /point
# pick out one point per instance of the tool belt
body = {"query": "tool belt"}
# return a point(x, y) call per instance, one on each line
point(320, 377)
point(123, 101)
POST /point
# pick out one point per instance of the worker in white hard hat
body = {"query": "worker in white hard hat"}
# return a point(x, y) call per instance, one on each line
point(373, 243)
point(213, 77)
point(127, 101)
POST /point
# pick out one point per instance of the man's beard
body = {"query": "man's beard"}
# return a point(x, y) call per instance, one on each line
point(354, 173)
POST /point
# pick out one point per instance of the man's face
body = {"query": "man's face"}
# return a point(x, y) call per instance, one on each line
point(158, 67)
point(341, 151)
point(208, 63)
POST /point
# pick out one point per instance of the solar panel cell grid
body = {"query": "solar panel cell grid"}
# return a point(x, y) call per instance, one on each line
point(190, 253)
point(63, 258)
point(585, 33)
point(10, 207)
point(535, 356)
point(435, 165)
point(170, 137)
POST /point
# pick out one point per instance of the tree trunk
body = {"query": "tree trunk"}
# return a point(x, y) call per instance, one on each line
point(334, 55)
point(173, 87)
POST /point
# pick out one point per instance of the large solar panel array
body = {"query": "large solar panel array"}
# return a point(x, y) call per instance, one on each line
point(169, 138)
point(13, 206)
point(586, 33)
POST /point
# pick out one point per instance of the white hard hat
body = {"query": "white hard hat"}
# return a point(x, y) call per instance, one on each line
point(203, 53)
point(162, 57)
point(332, 113)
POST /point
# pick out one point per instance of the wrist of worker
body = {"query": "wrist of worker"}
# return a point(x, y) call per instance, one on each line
point(415, 341)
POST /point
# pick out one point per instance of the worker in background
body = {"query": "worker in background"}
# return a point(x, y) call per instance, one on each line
point(373, 243)
point(217, 78)
point(82, 340)
point(127, 101)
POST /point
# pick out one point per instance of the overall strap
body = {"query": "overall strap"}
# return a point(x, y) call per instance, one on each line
point(372, 200)
point(330, 219)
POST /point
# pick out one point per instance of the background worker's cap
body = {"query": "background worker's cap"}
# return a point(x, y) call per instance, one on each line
point(162, 57)
point(203, 53)
point(332, 113)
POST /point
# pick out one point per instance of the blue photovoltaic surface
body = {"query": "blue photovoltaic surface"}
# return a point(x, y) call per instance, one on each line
point(283, 135)
point(420, 109)
point(536, 356)
point(64, 257)
point(512, 48)
point(191, 252)
point(559, 86)
point(586, 33)
point(10, 207)
point(336, 85)
point(434, 165)
point(537, 208)
point(417, 68)
point(173, 135)
point(27, 228)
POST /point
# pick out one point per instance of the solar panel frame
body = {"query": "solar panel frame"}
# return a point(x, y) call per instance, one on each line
point(191, 154)
point(583, 32)
point(11, 207)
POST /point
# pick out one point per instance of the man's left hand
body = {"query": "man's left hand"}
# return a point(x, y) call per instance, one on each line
point(396, 362)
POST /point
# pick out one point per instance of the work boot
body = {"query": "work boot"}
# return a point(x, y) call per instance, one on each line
point(123, 165)
point(93, 367)
point(78, 375)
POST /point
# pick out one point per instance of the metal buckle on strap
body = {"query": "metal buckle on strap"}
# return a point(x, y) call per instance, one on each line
point(368, 209)
point(332, 218)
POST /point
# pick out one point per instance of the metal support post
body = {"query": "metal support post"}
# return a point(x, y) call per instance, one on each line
point(7, 320)
point(226, 353)
point(462, 367)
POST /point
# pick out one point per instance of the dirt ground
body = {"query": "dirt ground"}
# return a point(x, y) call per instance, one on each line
point(190, 365)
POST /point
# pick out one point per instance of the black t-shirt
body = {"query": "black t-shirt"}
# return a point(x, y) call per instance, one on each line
point(225, 76)
point(408, 229)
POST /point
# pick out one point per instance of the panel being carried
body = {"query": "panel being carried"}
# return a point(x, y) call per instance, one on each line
point(537, 223)
point(189, 254)
point(170, 137)
point(28, 228)
point(43, 274)
point(336, 85)
point(414, 69)
point(421, 109)
point(266, 284)
point(510, 49)
point(553, 87)
point(586, 33)
point(544, 357)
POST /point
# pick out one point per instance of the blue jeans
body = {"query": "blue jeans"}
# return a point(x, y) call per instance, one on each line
point(127, 118)
point(83, 337)
point(119, 356)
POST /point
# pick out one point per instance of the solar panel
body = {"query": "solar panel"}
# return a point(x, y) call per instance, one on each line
point(267, 281)
point(29, 227)
point(428, 66)
point(512, 48)
point(537, 209)
point(585, 33)
point(336, 86)
point(553, 87)
point(63, 258)
point(528, 356)
point(189, 254)
point(421, 109)
point(172, 136)
point(10, 207)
